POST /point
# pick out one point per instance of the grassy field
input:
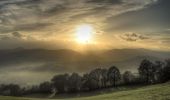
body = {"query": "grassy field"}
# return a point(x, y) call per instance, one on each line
point(154, 92)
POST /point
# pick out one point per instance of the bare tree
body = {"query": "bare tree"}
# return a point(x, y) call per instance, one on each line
point(146, 71)
point(10, 90)
point(128, 77)
point(60, 82)
point(96, 76)
point(75, 82)
point(45, 87)
point(113, 75)
point(158, 65)
point(104, 79)
point(166, 71)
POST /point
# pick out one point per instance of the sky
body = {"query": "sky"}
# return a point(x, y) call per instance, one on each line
point(63, 24)
point(51, 24)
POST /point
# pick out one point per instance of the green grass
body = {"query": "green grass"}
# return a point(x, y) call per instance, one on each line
point(154, 92)
point(12, 98)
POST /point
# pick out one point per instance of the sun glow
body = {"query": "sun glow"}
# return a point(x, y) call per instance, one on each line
point(84, 34)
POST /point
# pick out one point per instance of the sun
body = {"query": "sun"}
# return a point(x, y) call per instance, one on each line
point(84, 33)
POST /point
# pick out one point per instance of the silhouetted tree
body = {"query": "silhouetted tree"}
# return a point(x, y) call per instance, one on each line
point(158, 65)
point(91, 81)
point(60, 83)
point(104, 79)
point(10, 90)
point(45, 87)
point(113, 75)
point(96, 76)
point(128, 77)
point(74, 82)
point(33, 89)
point(166, 71)
point(146, 71)
point(86, 82)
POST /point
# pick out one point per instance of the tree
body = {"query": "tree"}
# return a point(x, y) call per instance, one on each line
point(33, 89)
point(146, 71)
point(128, 77)
point(45, 87)
point(91, 80)
point(158, 65)
point(86, 82)
point(10, 90)
point(75, 82)
point(96, 76)
point(113, 75)
point(166, 71)
point(60, 83)
point(104, 77)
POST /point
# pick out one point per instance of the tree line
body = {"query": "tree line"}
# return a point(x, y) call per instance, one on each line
point(148, 73)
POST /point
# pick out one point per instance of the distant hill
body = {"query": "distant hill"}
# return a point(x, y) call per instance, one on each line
point(69, 59)
point(32, 66)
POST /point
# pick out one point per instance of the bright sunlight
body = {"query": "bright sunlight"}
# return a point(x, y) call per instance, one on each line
point(84, 33)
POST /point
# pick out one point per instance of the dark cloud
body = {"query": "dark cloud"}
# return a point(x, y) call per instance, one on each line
point(11, 36)
point(152, 17)
point(26, 15)
point(57, 9)
point(39, 14)
point(17, 34)
point(25, 27)
point(105, 1)
point(4, 38)
point(19, 2)
point(32, 26)
point(133, 37)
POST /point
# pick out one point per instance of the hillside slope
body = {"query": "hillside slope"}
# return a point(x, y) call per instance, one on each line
point(155, 92)
point(124, 58)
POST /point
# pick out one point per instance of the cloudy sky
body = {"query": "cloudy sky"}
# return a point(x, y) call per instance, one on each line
point(51, 24)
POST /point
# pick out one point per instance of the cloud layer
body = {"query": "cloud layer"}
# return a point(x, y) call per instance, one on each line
point(133, 37)
point(30, 15)
point(39, 21)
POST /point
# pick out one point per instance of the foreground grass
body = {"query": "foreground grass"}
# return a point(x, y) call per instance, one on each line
point(12, 98)
point(155, 92)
